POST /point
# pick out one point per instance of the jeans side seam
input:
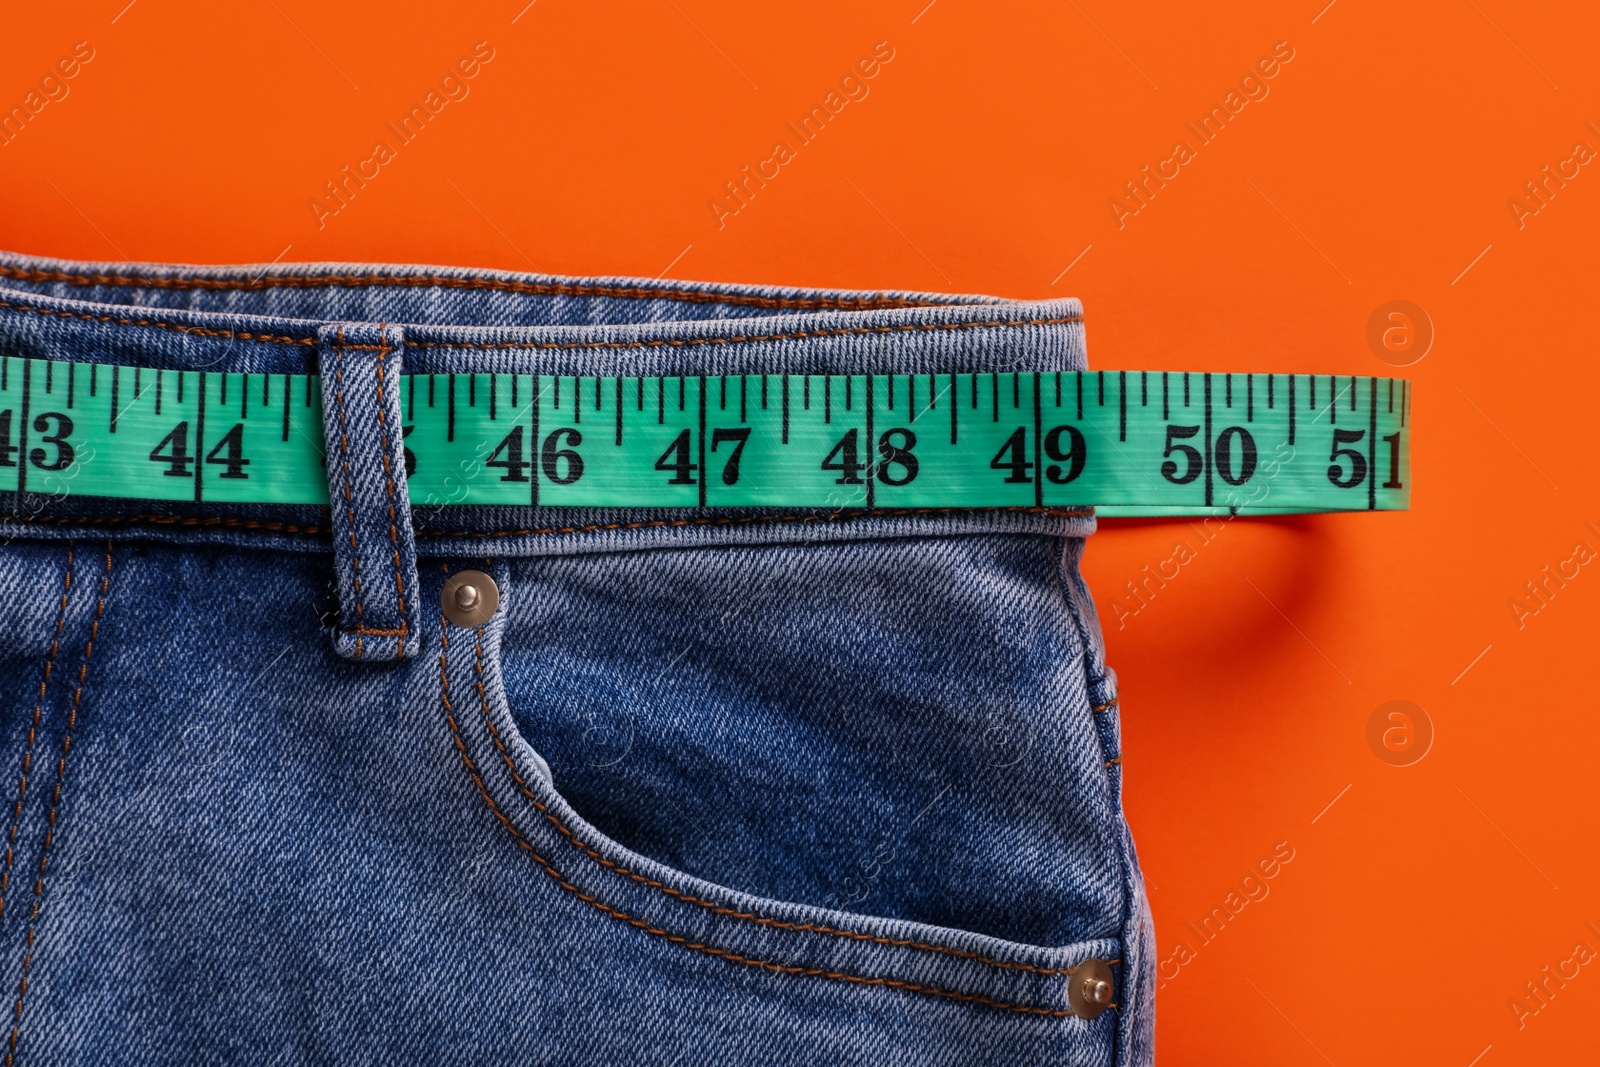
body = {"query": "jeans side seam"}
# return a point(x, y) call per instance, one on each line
point(1111, 704)
point(33, 729)
point(678, 939)
point(55, 804)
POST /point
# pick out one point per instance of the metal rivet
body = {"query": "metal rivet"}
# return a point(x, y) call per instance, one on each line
point(1091, 989)
point(470, 598)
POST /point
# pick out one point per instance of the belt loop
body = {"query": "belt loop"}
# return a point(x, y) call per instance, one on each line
point(375, 556)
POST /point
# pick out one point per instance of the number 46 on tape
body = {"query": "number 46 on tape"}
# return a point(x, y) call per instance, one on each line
point(1125, 442)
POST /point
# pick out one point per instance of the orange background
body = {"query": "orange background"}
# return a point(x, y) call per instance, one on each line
point(1379, 167)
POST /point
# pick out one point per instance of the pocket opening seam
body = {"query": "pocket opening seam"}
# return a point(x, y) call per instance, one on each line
point(616, 913)
point(713, 906)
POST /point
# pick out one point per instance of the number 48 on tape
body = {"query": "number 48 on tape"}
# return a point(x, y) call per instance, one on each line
point(1126, 442)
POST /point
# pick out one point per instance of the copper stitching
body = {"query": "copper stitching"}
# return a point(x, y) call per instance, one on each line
point(388, 479)
point(411, 281)
point(164, 520)
point(199, 331)
point(768, 965)
point(205, 331)
point(349, 498)
point(715, 908)
point(691, 342)
point(734, 520)
point(740, 520)
point(33, 729)
point(55, 804)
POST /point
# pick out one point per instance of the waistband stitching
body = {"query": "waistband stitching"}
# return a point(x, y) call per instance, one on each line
point(203, 521)
point(194, 281)
point(206, 331)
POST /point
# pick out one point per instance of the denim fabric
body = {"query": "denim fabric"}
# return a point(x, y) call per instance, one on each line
point(370, 516)
point(710, 787)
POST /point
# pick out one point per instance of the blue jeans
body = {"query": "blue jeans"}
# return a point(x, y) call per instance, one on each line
point(709, 787)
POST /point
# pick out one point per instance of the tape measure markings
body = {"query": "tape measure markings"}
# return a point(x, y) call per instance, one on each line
point(830, 441)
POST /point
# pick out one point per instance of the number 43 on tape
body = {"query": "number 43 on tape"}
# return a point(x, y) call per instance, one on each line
point(1125, 442)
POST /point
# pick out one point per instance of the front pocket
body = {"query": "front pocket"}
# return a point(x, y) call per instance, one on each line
point(877, 756)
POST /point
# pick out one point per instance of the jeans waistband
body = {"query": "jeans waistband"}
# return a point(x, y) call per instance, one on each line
point(269, 318)
point(266, 319)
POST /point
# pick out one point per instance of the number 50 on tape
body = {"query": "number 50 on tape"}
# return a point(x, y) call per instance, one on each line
point(1126, 442)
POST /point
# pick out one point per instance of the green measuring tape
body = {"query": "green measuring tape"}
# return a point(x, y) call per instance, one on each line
point(1127, 442)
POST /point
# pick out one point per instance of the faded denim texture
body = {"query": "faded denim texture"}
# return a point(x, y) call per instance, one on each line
point(711, 787)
